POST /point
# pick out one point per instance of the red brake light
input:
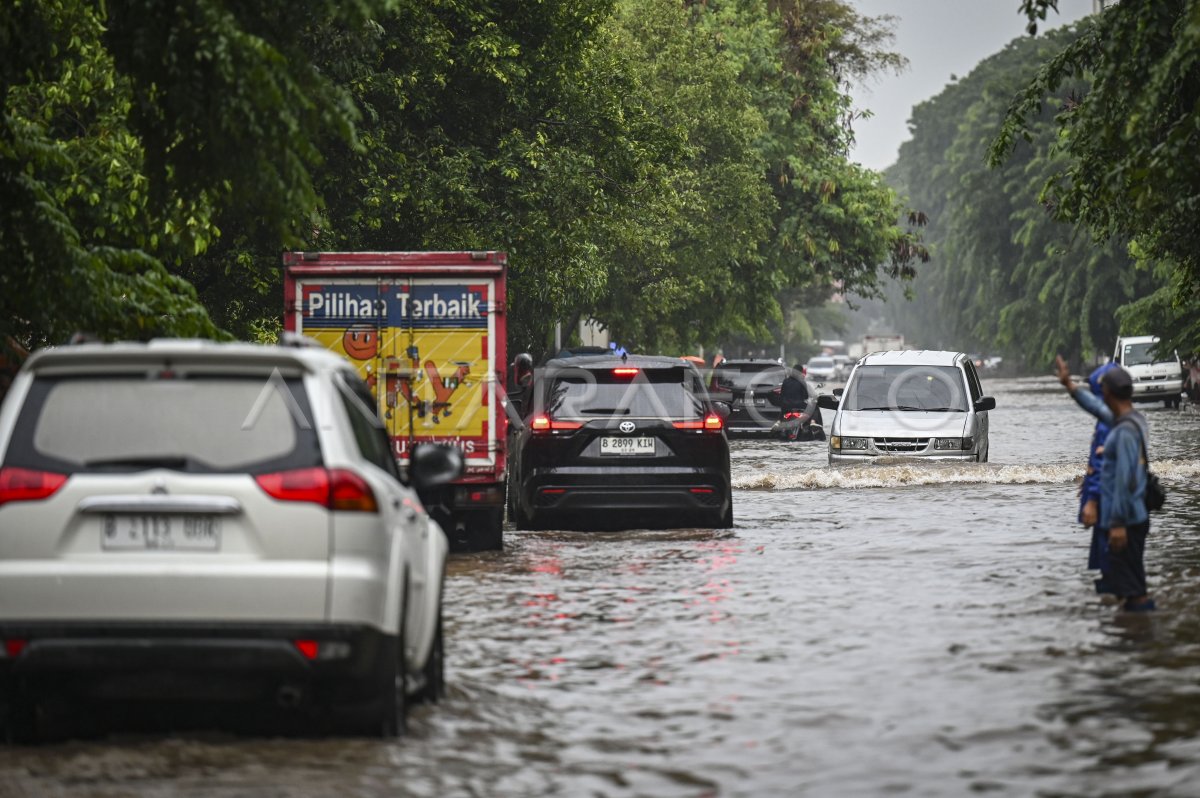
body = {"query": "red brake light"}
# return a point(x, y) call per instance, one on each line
point(628, 371)
point(300, 485)
point(543, 423)
point(336, 489)
point(711, 423)
point(348, 491)
point(23, 484)
point(13, 647)
point(309, 648)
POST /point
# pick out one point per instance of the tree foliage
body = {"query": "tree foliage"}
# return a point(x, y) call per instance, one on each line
point(1007, 276)
point(677, 171)
point(1129, 143)
point(126, 128)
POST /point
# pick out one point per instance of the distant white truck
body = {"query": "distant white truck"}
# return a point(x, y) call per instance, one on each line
point(882, 343)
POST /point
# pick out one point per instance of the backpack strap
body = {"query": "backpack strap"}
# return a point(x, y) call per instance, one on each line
point(1141, 438)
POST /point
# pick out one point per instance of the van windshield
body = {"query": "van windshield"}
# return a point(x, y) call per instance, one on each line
point(1142, 355)
point(927, 388)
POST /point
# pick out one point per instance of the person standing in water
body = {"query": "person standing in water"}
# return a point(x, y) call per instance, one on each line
point(1089, 490)
point(1122, 510)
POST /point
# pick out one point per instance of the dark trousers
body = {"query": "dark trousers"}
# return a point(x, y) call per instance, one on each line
point(1126, 567)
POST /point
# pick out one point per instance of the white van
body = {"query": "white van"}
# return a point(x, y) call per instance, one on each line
point(1154, 377)
point(927, 405)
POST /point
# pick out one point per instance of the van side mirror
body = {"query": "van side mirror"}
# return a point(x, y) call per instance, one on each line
point(985, 403)
point(838, 391)
point(722, 409)
point(827, 401)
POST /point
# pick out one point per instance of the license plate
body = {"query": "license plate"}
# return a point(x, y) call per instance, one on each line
point(760, 401)
point(627, 446)
point(160, 533)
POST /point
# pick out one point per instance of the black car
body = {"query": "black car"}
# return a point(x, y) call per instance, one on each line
point(752, 390)
point(611, 442)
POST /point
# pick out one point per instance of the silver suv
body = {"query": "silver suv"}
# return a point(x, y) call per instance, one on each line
point(201, 522)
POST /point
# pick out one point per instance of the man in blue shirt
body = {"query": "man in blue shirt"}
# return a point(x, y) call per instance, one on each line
point(1122, 483)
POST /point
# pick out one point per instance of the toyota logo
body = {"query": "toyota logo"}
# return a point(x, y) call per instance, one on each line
point(627, 427)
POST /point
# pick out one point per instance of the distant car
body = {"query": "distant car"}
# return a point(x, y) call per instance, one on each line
point(612, 442)
point(910, 404)
point(821, 369)
point(1156, 375)
point(752, 389)
point(190, 521)
point(844, 365)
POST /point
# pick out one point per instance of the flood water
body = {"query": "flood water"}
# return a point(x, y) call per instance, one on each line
point(894, 630)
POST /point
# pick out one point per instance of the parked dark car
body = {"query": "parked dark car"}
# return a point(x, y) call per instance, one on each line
point(752, 390)
point(619, 442)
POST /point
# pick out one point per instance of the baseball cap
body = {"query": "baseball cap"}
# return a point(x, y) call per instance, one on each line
point(1118, 382)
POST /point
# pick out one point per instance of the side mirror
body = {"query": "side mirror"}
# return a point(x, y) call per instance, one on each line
point(838, 391)
point(721, 409)
point(985, 403)
point(434, 464)
point(827, 401)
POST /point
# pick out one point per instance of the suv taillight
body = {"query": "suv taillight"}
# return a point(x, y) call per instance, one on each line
point(711, 423)
point(542, 423)
point(333, 488)
point(24, 484)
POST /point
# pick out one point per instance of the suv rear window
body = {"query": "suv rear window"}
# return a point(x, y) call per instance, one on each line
point(654, 392)
point(200, 424)
point(741, 376)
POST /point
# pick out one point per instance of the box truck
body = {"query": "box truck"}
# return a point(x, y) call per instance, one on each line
point(426, 331)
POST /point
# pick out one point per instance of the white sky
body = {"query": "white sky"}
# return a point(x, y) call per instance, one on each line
point(940, 38)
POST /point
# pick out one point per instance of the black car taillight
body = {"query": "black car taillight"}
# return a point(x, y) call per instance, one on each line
point(711, 423)
point(542, 423)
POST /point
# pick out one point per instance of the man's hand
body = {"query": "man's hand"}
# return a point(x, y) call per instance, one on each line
point(1116, 538)
point(1063, 372)
point(1090, 513)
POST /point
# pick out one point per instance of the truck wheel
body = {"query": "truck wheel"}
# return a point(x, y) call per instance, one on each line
point(485, 530)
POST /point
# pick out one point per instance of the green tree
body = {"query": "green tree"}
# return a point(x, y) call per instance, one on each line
point(126, 128)
point(1006, 276)
point(1130, 143)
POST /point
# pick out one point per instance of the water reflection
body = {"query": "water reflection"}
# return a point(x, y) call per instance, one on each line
point(860, 632)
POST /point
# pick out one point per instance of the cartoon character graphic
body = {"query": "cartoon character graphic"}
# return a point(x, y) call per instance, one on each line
point(361, 342)
point(401, 382)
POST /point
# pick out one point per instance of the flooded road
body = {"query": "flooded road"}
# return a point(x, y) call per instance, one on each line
point(900, 629)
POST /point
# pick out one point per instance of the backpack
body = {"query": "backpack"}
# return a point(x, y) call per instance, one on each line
point(1156, 495)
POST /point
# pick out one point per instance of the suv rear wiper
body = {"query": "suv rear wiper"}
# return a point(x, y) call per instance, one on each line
point(173, 462)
